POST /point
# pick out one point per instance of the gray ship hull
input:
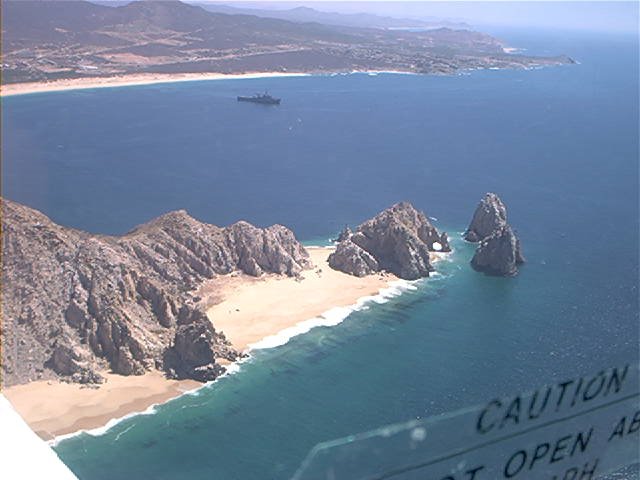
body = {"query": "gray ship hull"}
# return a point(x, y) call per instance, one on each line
point(260, 99)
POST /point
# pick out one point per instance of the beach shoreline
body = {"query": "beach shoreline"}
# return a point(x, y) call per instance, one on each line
point(129, 80)
point(133, 79)
point(141, 79)
point(251, 311)
point(237, 305)
point(55, 409)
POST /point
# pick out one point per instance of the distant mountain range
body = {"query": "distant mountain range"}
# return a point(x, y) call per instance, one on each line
point(360, 20)
point(304, 14)
point(48, 40)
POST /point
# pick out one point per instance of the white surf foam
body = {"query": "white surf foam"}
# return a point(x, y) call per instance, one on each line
point(96, 432)
point(374, 73)
point(333, 316)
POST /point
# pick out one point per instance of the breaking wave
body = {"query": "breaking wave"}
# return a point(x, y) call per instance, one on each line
point(96, 432)
point(231, 369)
point(333, 316)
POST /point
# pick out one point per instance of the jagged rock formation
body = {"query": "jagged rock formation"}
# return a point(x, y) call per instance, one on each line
point(490, 215)
point(351, 258)
point(195, 347)
point(344, 234)
point(499, 252)
point(75, 303)
point(397, 240)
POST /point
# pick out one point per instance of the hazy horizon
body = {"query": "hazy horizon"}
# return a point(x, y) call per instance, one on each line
point(601, 16)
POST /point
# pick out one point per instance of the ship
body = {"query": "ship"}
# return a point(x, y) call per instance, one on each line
point(263, 98)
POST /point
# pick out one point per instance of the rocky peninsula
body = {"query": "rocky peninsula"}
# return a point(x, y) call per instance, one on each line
point(499, 252)
point(150, 314)
point(171, 303)
point(76, 304)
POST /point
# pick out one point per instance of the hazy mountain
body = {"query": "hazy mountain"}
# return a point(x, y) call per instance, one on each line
point(307, 14)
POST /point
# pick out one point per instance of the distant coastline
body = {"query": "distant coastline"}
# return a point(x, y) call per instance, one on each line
point(111, 46)
point(128, 80)
point(141, 79)
point(133, 79)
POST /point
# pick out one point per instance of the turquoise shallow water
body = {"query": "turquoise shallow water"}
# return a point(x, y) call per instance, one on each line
point(559, 145)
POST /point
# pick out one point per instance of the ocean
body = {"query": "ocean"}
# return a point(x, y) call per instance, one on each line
point(559, 145)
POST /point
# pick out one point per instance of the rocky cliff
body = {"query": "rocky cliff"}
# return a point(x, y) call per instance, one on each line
point(397, 240)
point(499, 252)
point(75, 303)
point(488, 217)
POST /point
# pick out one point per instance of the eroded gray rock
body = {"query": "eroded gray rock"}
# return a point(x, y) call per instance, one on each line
point(499, 252)
point(115, 300)
point(351, 258)
point(397, 240)
point(490, 215)
point(195, 348)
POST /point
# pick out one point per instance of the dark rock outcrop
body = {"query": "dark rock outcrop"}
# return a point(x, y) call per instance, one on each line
point(490, 215)
point(75, 303)
point(344, 234)
point(352, 259)
point(71, 362)
point(196, 344)
point(397, 240)
point(499, 252)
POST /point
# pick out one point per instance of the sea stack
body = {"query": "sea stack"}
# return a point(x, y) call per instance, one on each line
point(499, 252)
point(490, 215)
point(397, 240)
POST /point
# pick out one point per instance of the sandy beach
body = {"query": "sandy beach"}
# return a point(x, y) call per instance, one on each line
point(254, 308)
point(55, 408)
point(247, 309)
point(128, 80)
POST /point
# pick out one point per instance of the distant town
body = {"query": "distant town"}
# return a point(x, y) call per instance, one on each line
point(45, 41)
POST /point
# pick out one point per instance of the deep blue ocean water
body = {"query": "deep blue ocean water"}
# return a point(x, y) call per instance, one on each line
point(559, 145)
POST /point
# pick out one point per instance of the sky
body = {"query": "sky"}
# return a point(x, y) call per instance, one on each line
point(599, 16)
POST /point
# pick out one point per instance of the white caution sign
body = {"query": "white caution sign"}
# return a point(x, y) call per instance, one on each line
point(578, 429)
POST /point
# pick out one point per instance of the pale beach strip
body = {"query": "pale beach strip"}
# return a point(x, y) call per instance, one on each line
point(53, 409)
point(128, 80)
point(139, 79)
